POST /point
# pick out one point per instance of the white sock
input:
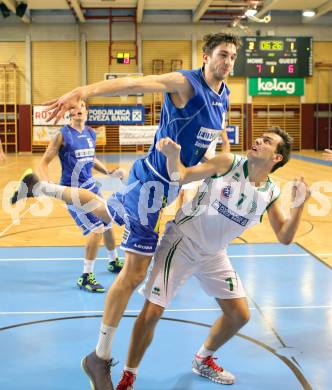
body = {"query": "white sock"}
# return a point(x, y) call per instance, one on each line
point(112, 254)
point(51, 189)
point(132, 370)
point(88, 266)
point(203, 353)
point(103, 349)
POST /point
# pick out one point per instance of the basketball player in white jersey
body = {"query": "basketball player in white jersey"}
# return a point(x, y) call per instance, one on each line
point(233, 197)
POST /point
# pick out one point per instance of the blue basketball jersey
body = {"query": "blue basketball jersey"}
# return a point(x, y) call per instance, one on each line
point(77, 157)
point(195, 126)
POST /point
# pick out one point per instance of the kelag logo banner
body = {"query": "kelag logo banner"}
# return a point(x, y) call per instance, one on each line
point(276, 86)
point(116, 115)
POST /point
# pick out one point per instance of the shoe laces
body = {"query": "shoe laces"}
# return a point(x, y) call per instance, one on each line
point(127, 380)
point(112, 363)
point(118, 261)
point(92, 279)
point(209, 361)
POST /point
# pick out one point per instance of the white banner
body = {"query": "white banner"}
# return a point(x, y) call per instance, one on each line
point(137, 135)
point(40, 117)
point(101, 135)
point(42, 135)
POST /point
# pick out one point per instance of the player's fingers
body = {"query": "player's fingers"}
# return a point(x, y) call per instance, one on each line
point(60, 115)
point(54, 113)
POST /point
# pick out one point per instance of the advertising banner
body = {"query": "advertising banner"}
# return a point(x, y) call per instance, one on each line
point(276, 86)
point(116, 115)
point(233, 133)
point(39, 117)
point(42, 135)
point(137, 135)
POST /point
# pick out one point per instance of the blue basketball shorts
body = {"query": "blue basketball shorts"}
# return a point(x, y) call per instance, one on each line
point(139, 205)
point(86, 221)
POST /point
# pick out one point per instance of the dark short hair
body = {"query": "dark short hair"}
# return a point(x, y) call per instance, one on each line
point(211, 41)
point(284, 147)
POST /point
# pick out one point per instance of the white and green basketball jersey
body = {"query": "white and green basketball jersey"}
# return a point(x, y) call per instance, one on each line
point(224, 207)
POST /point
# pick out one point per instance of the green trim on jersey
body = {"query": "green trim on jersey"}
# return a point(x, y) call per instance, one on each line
point(271, 203)
point(168, 262)
point(268, 183)
point(246, 174)
point(224, 174)
point(245, 169)
point(196, 209)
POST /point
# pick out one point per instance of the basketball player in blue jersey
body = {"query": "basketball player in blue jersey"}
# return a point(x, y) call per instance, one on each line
point(75, 145)
point(193, 115)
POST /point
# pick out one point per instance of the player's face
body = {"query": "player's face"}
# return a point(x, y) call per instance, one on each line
point(265, 147)
point(221, 61)
point(79, 113)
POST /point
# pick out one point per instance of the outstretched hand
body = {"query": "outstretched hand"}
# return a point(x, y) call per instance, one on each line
point(327, 155)
point(119, 173)
point(61, 105)
point(168, 147)
point(300, 192)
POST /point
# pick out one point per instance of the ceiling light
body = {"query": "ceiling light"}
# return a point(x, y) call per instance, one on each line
point(250, 12)
point(309, 13)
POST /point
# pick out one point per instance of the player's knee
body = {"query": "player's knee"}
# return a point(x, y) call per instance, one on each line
point(132, 278)
point(151, 313)
point(98, 231)
point(242, 315)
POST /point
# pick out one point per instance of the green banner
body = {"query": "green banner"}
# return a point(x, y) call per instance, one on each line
point(276, 86)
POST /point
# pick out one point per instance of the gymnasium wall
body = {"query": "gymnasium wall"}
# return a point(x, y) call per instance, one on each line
point(15, 52)
point(55, 69)
point(56, 62)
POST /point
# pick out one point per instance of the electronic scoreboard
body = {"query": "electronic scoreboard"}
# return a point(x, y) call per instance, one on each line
point(274, 57)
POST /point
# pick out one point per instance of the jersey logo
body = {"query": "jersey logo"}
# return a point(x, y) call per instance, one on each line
point(253, 207)
point(156, 291)
point(236, 176)
point(226, 192)
point(232, 215)
point(208, 135)
point(90, 143)
point(126, 235)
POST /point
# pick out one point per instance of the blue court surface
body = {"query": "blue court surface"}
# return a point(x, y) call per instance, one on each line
point(47, 324)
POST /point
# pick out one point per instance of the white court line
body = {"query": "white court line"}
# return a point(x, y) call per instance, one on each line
point(106, 258)
point(14, 223)
point(166, 311)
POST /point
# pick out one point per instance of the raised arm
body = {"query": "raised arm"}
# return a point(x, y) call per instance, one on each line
point(51, 152)
point(179, 173)
point(174, 82)
point(285, 228)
